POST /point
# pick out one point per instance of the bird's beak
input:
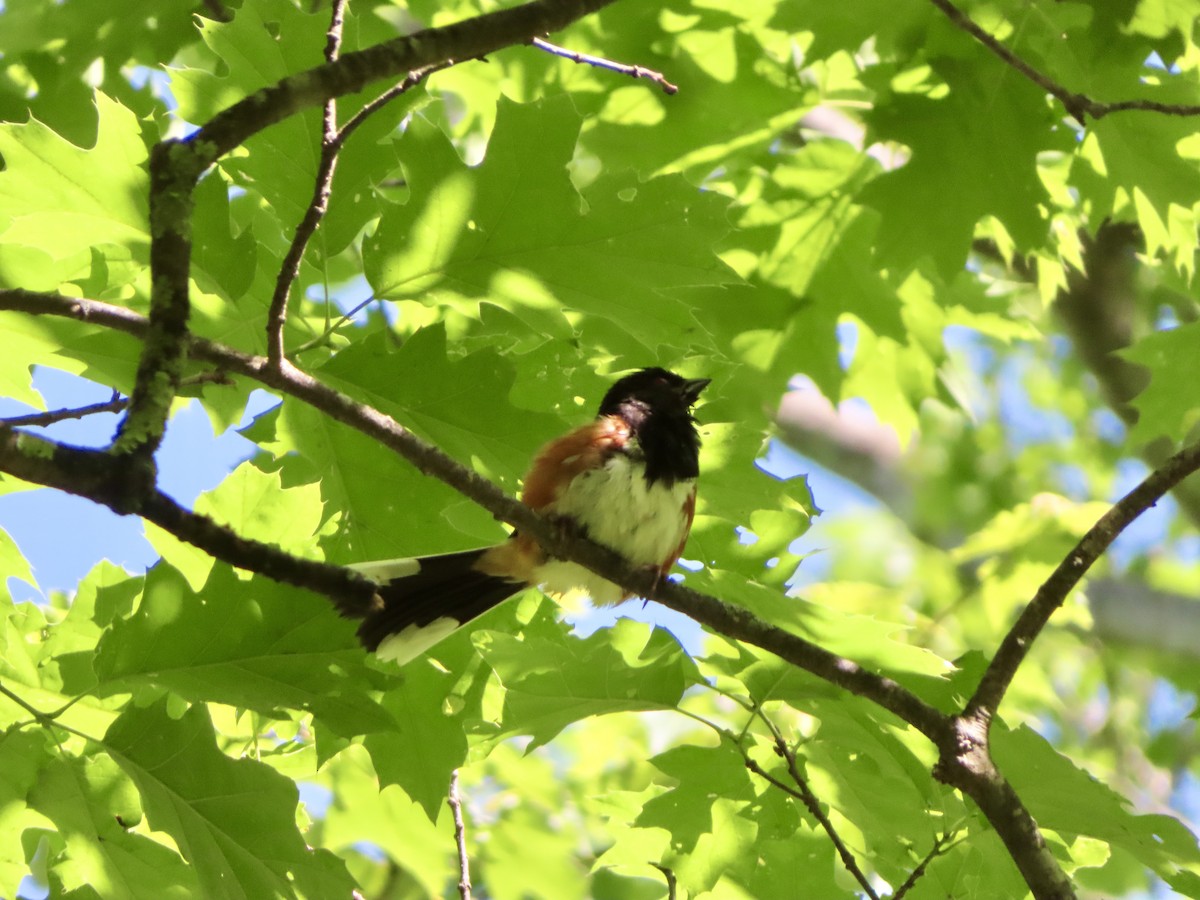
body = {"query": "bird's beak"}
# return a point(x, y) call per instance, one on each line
point(690, 390)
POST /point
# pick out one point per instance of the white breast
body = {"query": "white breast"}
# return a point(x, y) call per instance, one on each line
point(618, 508)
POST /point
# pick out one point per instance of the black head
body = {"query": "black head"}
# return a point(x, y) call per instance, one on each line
point(652, 391)
point(657, 405)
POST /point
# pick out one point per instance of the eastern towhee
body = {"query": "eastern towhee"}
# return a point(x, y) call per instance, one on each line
point(627, 480)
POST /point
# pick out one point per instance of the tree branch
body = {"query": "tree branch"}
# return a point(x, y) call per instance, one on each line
point(965, 763)
point(468, 39)
point(173, 175)
point(972, 773)
point(97, 476)
point(1051, 595)
point(176, 165)
point(722, 617)
point(1080, 106)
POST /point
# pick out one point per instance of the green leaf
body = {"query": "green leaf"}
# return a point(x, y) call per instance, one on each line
point(363, 811)
point(1139, 153)
point(835, 27)
point(462, 405)
point(13, 564)
point(23, 754)
point(233, 820)
point(106, 593)
point(550, 684)
point(527, 859)
point(253, 644)
point(865, 640)
point(282, 161)
point(468, 233)
point(743, 669)
point(106, 357)
point(774, 877)
point(93, 807)
point(735, 94)
point(255, 505)
point(406, 519)
point(947, 137)
point(736, 496)
point(701, 774)
point(1068, 800)
point(221, 260)
point(427, 741)
point(884, 754)
point(1164, 409)
point(64, 199)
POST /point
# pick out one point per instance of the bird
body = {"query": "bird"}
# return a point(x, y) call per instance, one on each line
point(626, 480)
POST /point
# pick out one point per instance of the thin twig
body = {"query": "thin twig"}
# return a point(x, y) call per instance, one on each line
point(411, 80)
point(40, 420)
point(47, 721)
point(332, 147)
point(38, 716)
point(1053, 592)
point(601, 63)
point(460, 839)
point(116, 404)
point(939, 847)
point(1080, 106)
point(332, 141)
point(805, 795)
point(321, 338)
point(810, 801)
point(317, 206)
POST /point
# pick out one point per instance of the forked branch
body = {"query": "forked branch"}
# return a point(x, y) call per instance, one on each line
point(1080, 106)
point(981, 782)
point(1051, 595)
point(176, 165)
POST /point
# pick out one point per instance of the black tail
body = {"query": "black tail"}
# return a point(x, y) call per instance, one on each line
point(444, 594)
